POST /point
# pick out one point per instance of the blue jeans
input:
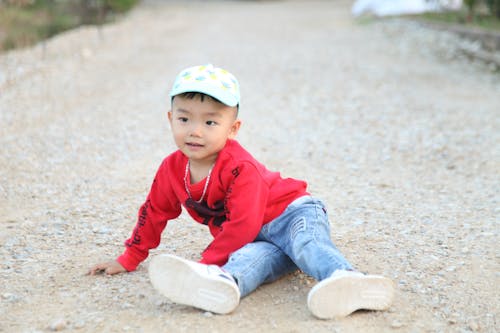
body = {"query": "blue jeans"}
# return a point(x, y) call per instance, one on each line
point(298, 238)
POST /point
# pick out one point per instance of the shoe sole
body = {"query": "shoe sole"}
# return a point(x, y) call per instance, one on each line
point(180, 281)
point(339, 297)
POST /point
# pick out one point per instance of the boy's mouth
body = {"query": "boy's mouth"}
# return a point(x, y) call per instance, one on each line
point(193, 144)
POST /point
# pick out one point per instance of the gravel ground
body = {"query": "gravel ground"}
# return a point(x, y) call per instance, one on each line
point(388, 123)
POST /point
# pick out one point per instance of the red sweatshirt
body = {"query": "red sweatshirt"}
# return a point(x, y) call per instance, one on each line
point(241, 197)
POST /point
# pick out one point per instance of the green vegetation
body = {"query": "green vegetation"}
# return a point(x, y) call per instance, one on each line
point(480, 19)
point(494, 7)
point(480, 13)
point(25, 22)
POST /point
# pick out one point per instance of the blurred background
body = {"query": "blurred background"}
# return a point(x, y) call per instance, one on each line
point(27, 22)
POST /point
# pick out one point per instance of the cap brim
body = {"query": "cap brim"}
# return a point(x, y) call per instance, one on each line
point(199, 86)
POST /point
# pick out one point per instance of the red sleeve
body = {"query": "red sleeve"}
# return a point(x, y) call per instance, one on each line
point(161, 205)
point(245, 206)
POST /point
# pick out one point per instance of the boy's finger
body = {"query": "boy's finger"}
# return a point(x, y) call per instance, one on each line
point(96, 269)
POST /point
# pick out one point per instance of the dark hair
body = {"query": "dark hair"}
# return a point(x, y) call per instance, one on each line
point(193, 94)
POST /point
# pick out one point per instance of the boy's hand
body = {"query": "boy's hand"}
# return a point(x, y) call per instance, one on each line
point(110, 268)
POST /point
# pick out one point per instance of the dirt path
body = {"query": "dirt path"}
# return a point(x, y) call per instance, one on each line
point(398, 134)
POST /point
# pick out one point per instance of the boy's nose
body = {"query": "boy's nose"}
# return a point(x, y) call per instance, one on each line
point(196, 131)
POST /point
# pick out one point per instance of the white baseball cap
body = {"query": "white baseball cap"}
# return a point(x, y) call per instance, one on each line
point(212, 81)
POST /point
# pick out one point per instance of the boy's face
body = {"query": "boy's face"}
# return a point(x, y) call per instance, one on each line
point(201, 129)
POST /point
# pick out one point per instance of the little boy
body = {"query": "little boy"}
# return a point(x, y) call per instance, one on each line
point(264, 226)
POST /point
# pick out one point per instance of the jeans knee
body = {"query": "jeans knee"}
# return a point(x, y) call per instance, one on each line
point(297, 227)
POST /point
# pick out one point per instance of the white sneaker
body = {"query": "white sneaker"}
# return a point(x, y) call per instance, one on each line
point(345, 292)
point(206, 287)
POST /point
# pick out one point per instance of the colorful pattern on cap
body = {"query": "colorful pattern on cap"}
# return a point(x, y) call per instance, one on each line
point(210, 80)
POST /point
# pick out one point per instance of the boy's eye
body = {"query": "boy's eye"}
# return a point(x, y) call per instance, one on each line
point(183, 119)
point(211, 123)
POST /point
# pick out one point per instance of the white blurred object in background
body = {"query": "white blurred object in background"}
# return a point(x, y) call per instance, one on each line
point(400, 7)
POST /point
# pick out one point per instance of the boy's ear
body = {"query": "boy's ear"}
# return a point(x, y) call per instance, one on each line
point(169, 115)
point(234, 129)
